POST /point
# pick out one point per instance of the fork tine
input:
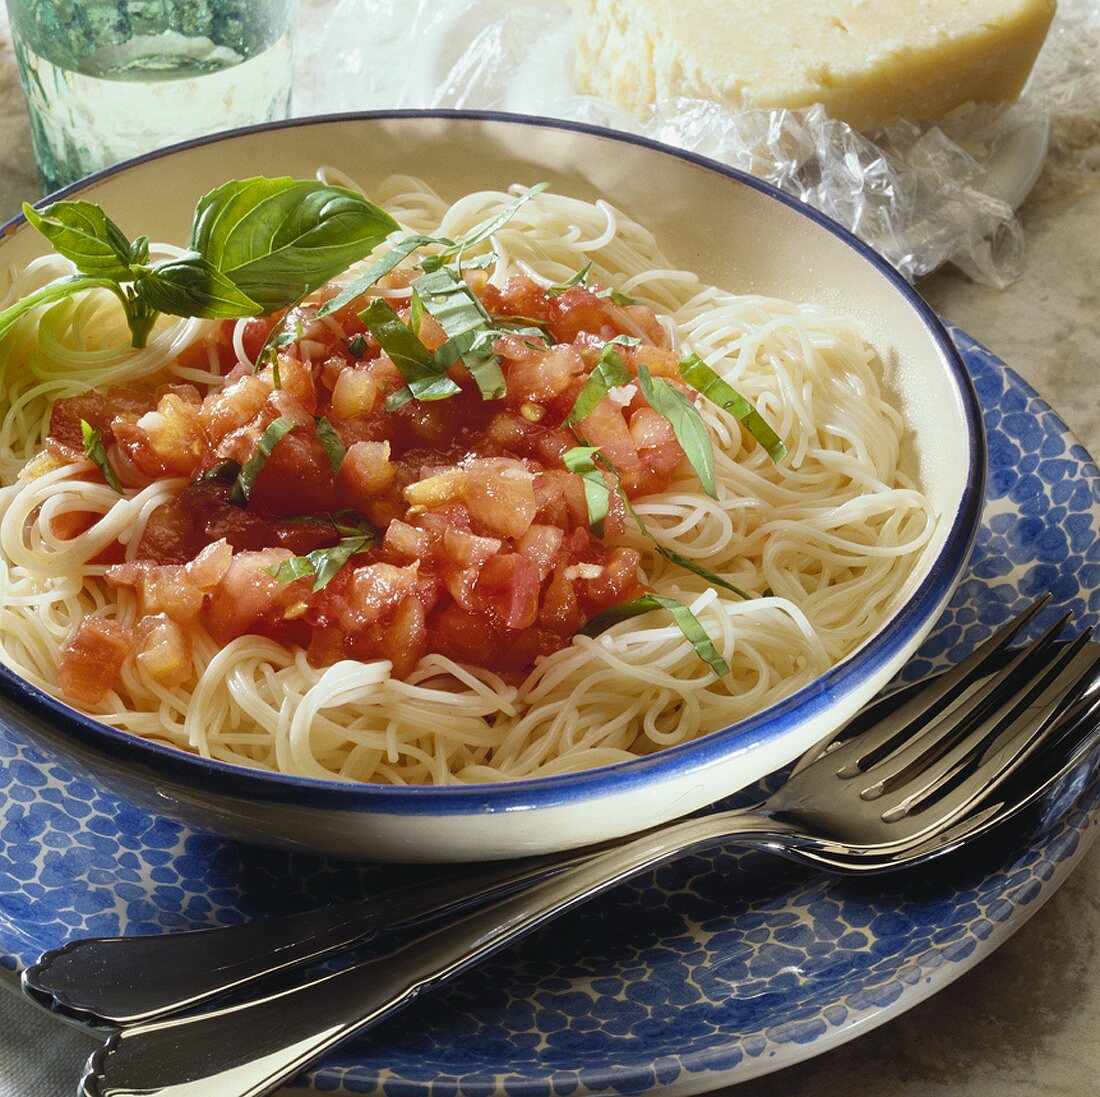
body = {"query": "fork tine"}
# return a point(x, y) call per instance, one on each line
point(1007, 692)
point(933, 737)
point(933, 698)
point(1001, 742)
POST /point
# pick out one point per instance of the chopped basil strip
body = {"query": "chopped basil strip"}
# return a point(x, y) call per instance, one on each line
point(357, 346)
point(581, 460)
point(615, 297)
point(416, 312)
point(277, 337)
point(625, 340)
point(702, 378)
point(398, 399)
point(607, 374)
point(578, 279)
point(251, 469)
point(688, 565)
point(687, 424)
point(488, 227)
point(344, 523)
point(423, 375)
point(94, 451)
point(480, 262)
point(685, 620)
point(331, 443)
point(322, 564)
point(520, 321)
point(377, 270)
point(461, 315)
point(226, 471)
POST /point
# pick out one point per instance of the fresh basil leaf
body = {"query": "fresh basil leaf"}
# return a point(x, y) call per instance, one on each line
point(607, 374)
point(581, 461)
point(331, 443)
point(456, 309)
point(276, 431)
point(55, 291)
point(417, 364)
point(279, 239)
point(578, 279)
point(322, 564)
point(377, 270)
point(489, 226)
point(625, 340)
point(357, 346)
point(687, 424)
point(139, 251)
point(685, 620)
point(191, 286)
point(94, 451)
point(703, 379)
point(85, 235)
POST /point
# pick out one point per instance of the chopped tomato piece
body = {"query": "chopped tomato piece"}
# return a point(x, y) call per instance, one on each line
point(508, 586)
point(92, 658)
point(164, 651)
point(250, 595)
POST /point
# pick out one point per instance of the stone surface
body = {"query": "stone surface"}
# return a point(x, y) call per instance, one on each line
point(1025, 1023)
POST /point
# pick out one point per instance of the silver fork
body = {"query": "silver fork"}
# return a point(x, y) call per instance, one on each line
point(902, 782)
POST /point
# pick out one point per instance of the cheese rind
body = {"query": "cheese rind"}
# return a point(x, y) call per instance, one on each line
point(868, 61)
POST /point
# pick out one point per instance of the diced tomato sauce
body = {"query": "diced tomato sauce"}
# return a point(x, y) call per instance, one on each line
point(482, 549)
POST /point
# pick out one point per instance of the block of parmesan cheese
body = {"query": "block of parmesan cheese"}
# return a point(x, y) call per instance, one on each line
point(868, 61)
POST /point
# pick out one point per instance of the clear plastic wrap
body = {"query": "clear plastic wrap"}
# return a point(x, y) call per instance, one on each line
point(921, 196)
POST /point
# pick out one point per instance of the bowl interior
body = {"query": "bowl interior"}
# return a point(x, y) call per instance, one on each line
point(731, 232)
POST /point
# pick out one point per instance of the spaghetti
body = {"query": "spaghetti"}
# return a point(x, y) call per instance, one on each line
point(822, 543)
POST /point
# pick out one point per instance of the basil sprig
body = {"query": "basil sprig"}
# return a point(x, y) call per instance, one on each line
point(97, 454)
point(685, 620)
point(704, 380)
point(324, 563)
point(256, 245)
point(276, 431)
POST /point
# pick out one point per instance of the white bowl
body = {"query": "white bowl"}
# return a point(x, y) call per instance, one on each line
point(734, 232)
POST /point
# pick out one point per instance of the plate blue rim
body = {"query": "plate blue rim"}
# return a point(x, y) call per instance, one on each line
point(617, 1010)
point(547, 792)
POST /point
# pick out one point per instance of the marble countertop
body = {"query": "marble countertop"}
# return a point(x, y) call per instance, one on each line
point(1026, 1022)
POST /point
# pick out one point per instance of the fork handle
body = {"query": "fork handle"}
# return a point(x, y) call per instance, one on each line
point(252, 1048)
point(104, 981)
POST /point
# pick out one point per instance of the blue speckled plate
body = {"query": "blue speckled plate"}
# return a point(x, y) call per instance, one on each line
point(710, 972)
